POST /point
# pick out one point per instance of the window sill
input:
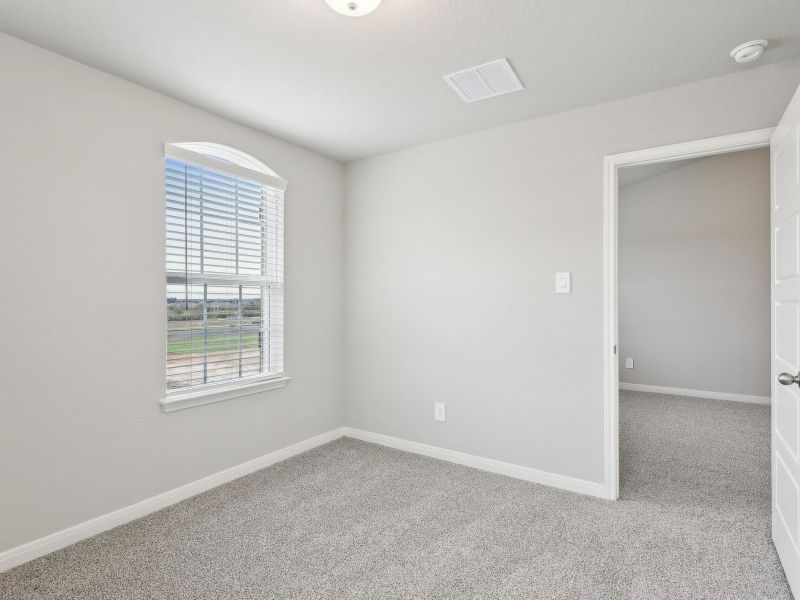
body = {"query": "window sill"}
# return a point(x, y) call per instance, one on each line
point(183, 400)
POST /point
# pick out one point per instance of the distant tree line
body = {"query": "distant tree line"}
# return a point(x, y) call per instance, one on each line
point(192, 310)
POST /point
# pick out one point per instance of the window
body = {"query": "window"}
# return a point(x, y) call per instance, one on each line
point(224, 273)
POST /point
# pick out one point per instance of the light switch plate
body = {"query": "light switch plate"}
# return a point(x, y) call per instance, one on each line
point(563, 283)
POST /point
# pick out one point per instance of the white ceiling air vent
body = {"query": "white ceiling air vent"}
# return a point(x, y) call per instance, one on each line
point(484, 81)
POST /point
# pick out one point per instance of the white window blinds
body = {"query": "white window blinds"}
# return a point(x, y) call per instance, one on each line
point(224, 275)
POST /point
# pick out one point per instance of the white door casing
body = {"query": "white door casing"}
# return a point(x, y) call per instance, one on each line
point(745, 140)
point(785, 233)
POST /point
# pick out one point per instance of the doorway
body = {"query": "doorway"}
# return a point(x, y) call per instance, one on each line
point(613, 165)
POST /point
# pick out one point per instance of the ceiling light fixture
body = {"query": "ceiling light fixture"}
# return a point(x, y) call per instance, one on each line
point(353, 8)
point(749, 51)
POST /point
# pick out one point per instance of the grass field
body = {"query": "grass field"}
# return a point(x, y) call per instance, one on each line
point(224, 354)
point(216, 343)
point(186, 336)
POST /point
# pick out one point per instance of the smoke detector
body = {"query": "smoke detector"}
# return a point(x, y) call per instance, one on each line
point(484, 81)
point(353, 8)
point(749, 51)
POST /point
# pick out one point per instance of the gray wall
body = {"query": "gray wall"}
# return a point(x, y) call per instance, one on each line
point(694, 284)
point(451, 250)
point(82, 312)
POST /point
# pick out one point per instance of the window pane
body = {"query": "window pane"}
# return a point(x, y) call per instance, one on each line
point(185, 336)
point(252, 343)
point(214, 334)
point(234, 341)
point(215, 223)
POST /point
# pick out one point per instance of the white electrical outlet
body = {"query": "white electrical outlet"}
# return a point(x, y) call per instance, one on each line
point(438, 411)
point(628, 363)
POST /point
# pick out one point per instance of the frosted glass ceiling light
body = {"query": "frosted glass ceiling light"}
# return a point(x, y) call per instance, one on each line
point(353, 8)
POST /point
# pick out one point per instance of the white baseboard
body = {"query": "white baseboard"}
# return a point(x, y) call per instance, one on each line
point(563, 482)
point(66, 537)
point(658, 389)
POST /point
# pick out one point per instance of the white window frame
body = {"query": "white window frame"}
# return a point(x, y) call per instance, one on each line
point(236, 163)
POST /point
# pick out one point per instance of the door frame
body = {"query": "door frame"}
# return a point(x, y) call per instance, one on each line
point(724, 144)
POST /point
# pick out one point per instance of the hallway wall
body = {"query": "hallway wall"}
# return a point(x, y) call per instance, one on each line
point(694, 285)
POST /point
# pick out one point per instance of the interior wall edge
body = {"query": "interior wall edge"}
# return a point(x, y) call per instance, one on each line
point(81, 531)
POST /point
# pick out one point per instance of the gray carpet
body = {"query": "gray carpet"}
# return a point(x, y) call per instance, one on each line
point(355, 520)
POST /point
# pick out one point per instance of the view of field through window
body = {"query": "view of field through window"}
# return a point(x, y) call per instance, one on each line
point(217, 293)
point(214, 334)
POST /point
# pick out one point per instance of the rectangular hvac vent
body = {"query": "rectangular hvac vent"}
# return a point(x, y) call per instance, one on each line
point(484, 81)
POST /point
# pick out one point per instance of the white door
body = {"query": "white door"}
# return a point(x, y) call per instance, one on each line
point(785, 151)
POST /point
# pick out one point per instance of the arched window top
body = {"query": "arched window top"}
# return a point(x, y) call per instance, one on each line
point(209, 154)
point(227, 154)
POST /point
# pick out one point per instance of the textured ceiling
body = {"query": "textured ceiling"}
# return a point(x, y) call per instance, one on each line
point(351, 88)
